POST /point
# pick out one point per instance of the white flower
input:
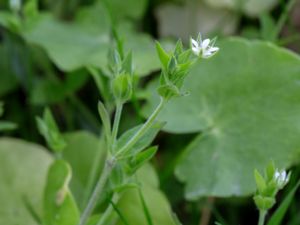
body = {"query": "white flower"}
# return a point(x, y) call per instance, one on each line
point(205, 48)
point(281, 178)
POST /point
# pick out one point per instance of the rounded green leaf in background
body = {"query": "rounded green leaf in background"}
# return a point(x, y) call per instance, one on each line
point(245, 101)
point(249, 7)
point(23, 171)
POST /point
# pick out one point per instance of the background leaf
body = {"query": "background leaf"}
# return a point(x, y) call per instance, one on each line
point(245, 101)
point(131, 206)
point(83, 150)
point(19, 160)
point(59, 205)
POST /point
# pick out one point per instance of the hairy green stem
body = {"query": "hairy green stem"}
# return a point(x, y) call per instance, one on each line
point(94, 171)
point(109, 165)
point(142, 130)
point(262, 216)
point(111, 160)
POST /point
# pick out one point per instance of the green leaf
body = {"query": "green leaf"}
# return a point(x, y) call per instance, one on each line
point(127, 64)
point(74, 45)
point(270, 171)
point(142, 45)
point(105, 119)
point(268, 27)
point(260, 182)
point(59, 206)
point(241, 109)
point(133, 9)
point(131, 206)
point(86, 155)
point(163, 55)
point(23, 170)
point(141, 158)
point(278, 215)
point(49, 130)
point(144, 141)
point(250, 7)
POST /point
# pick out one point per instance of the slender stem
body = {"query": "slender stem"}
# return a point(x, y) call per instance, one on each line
point(118, 113)
point(94, 171)
point(262, 216)
point(142, 130)
point(109, 165)
point(109, 211)
point(283, 17)
point(206, 211)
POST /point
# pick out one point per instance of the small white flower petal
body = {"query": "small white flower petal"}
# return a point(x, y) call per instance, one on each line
point(205, 43)
point(194, 43)
point(214, 49)
point(196, 51)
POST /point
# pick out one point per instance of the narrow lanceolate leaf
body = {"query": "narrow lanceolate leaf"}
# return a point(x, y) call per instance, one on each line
point(279, 214)
point(260, 181)
point(143, 142)
point(49, 130)
point(105, 119)
point(163, 55)
point(141, 158)
point(59, 205)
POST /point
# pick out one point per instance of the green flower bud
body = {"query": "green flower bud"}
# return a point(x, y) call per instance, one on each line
point(264, 203)
point(122, 87)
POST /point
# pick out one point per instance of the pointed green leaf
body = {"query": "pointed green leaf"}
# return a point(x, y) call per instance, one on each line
point(163, 55)
point(49, 130)
point(270, 171)
point(141, 158)
point(145, 140)
point(105, 120)
point(260, 182)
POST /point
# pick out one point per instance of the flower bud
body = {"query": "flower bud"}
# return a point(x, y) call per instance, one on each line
point(122, 87)
point(264, 203)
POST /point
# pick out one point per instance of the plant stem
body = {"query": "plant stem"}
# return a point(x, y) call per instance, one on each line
point(109, 165)
point(262, 216)
point(283, 17)
point(206, 211)
point(109, 211)
point(142, 130)
point(115, 129)
point(94, 171)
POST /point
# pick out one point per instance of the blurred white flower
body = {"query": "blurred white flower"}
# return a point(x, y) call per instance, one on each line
point(281, 178)
point(205, 48)
point(15, 5)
